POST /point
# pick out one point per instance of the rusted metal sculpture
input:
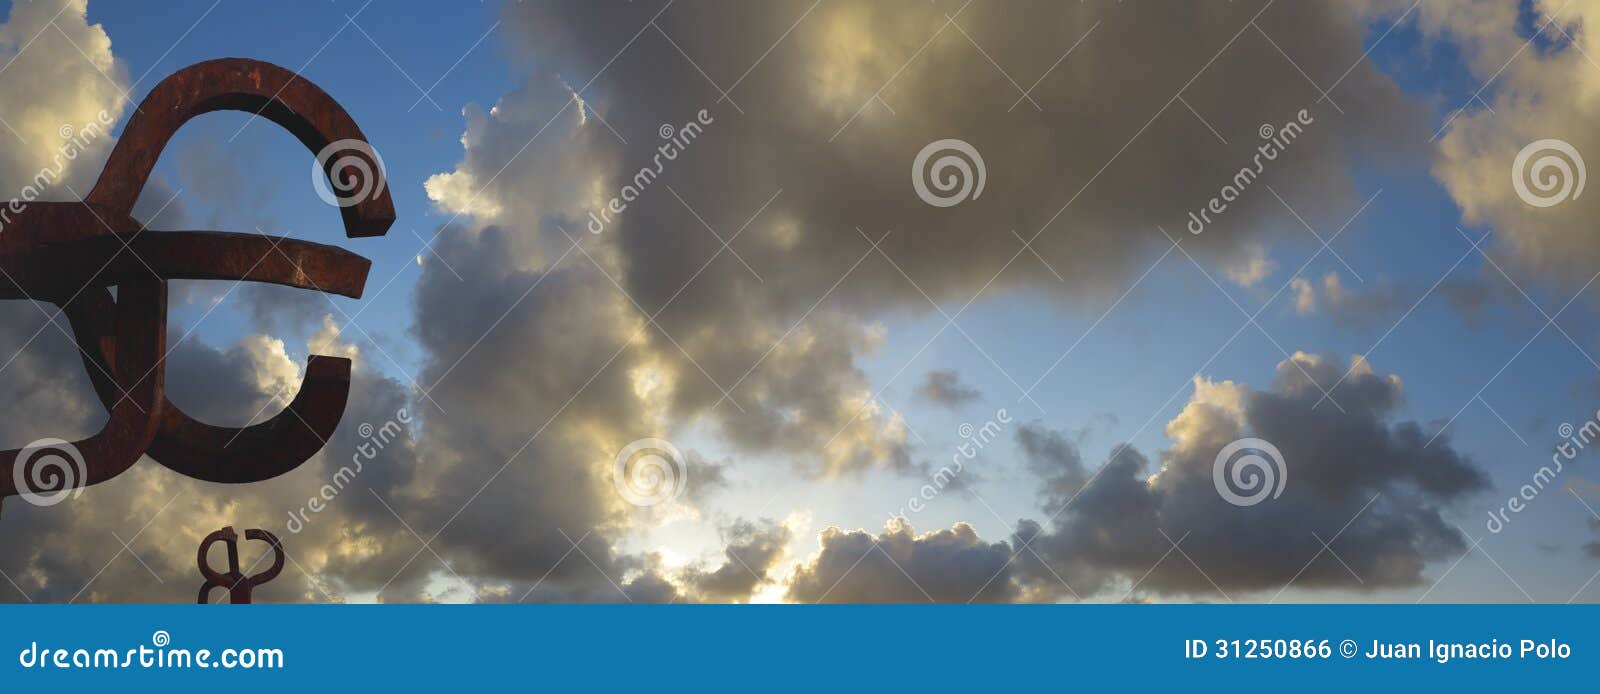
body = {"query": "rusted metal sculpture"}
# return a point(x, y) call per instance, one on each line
point(73, 254)
point(239, 585)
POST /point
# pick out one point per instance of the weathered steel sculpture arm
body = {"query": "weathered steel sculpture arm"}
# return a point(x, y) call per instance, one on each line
point(140, 337)
point(70, 254)
point(274, 447)
point(234, 84)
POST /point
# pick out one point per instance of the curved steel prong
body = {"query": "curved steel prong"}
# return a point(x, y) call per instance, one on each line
point(62, 268)
point(55, 249)
point(224, 454)
point(139, 339)
point(235, 84)
point(212, 575)
point(277, 556)
point(274, 447)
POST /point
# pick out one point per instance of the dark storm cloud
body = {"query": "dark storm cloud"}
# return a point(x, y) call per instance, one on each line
point(1373, 488)
point(752, 552)
point(1378, 486)
point(1054, 458)
point(531, 166)
point(899, 566)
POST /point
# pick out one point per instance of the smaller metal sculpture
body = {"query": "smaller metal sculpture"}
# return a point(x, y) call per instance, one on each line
point(239, 585)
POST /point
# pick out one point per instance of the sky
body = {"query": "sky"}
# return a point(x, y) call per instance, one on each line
point(865, 375)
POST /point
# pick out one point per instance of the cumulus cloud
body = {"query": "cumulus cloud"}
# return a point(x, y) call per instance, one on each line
point(1054, 458)
point(754, 549)
point(1250, 267)
point(70, 79)
point(1374, 488)
point(1540, 92)
point(900, 566)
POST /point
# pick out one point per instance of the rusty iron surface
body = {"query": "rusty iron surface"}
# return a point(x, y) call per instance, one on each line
point(72, 254)
point(238, 584)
